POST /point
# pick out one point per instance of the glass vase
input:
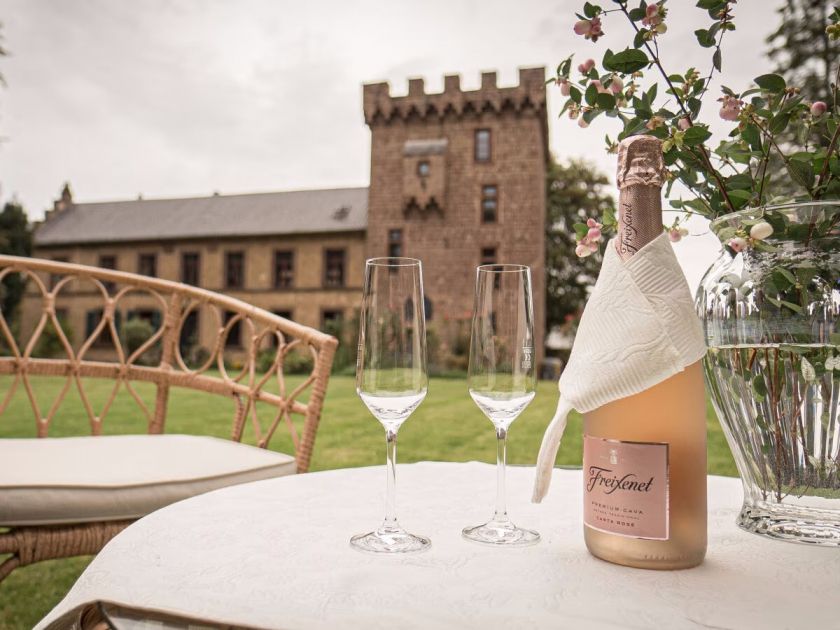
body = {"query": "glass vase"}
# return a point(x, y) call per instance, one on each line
point(771, 314)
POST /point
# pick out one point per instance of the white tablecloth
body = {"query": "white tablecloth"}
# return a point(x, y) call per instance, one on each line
point(275, 554)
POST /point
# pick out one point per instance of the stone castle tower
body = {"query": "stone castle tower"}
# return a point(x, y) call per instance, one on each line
point(457, 179)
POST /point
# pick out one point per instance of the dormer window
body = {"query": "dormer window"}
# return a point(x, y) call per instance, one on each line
point(423, 168)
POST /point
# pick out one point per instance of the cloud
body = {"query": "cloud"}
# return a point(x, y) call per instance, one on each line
point(184, 97)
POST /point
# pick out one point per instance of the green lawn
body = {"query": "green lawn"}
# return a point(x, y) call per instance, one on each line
point(447, 426)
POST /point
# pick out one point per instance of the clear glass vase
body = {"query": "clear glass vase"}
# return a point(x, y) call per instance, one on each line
point(772, 320)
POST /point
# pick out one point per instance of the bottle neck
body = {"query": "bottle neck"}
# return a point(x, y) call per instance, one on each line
point(639, 218)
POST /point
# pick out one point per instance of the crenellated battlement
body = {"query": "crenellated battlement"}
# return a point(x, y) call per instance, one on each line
point(381, 107)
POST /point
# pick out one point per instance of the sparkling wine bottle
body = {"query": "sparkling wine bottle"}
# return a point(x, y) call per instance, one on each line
point(644, 456)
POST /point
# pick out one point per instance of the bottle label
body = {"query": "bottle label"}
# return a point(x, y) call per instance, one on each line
point(625, 487)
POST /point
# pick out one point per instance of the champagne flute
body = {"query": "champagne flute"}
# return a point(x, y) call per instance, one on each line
point(391, 376)
point(502, 377)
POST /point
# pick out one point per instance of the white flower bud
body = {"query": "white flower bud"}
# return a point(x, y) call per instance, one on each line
point(760, 231)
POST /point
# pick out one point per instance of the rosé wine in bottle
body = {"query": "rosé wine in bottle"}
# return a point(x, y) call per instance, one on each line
point(644, 456)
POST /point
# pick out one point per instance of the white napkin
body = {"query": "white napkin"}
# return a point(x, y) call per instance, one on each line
point(639, 328)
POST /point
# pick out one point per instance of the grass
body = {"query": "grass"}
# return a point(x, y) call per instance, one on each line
point(447, 426)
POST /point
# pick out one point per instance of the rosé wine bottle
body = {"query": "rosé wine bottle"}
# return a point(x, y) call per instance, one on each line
point(644, 456)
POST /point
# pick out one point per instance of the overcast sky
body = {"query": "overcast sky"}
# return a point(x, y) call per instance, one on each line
point(187, 97)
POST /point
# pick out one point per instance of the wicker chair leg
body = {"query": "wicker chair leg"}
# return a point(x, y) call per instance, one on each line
point(29, 545)
point(9, 565)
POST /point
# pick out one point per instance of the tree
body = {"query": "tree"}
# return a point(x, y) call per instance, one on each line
point(575, 192)
point(802, 50)
point(15, 239)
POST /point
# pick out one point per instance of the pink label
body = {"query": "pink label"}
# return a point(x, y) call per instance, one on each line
point(625, 487)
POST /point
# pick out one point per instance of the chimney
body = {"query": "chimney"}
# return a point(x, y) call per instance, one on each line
point(65, 201)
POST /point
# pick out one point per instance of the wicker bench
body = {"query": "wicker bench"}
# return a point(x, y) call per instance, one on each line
point(67, 496)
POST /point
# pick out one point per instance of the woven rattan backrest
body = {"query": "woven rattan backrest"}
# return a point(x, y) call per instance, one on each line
point(48, 282)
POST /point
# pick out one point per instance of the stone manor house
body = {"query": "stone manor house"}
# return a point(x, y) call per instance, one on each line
point(457, 179)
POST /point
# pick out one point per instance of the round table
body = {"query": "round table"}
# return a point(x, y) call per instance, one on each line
point(275, 554)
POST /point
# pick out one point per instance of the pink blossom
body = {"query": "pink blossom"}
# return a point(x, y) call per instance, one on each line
point(593, 235)
point(582, 250)
point(616, 85)
point(583, 27)
point(582, 122)
point(684, 123)
point(818, 108)
point(593, 247)
point(737, 244)
point(653, 17)
point(590, 29)
point(674, 235)
point(729, 113)
point(565, 86)
point(592, 223)
point(586, 66)
point(730, 108)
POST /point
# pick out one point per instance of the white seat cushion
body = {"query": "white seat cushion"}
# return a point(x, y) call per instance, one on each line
point(51, 481)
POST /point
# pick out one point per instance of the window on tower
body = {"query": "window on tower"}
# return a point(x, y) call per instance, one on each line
point(482, 145)
point(489, 204)
point(423, 168)
point(395, 243)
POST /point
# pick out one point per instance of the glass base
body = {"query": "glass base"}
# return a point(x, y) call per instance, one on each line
point(791, 525)
point(390, 540)
point(501, 533)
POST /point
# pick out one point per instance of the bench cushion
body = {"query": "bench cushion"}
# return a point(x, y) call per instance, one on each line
point(50, 481)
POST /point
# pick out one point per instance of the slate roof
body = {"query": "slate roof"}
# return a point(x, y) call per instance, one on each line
point(258, 214)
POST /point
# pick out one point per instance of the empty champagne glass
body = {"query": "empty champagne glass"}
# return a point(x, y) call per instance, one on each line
point(502, 377)
point(391, 376)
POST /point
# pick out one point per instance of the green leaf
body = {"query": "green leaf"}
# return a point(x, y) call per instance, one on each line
point(787, 274)
point(783, 281)
point(637, 14)
point(740, 194)
point(771, 82)
point(696, 135)
point(752, 136)
point(801, 173)
point(759, 387)
point(704, 38)
point(716, 60)
point(591, 10)
point(627, 61)
point(794, 307)
point(575, 94)
point(779, 123)
point(591, 94)
point(639, 38)
point(605, 101)
point(581, 230)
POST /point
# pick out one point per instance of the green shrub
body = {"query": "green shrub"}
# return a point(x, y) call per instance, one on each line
point(135, 332)
point(49, 344)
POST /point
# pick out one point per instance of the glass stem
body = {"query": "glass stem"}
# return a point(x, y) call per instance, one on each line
point(391, 486)
point(501, 456)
